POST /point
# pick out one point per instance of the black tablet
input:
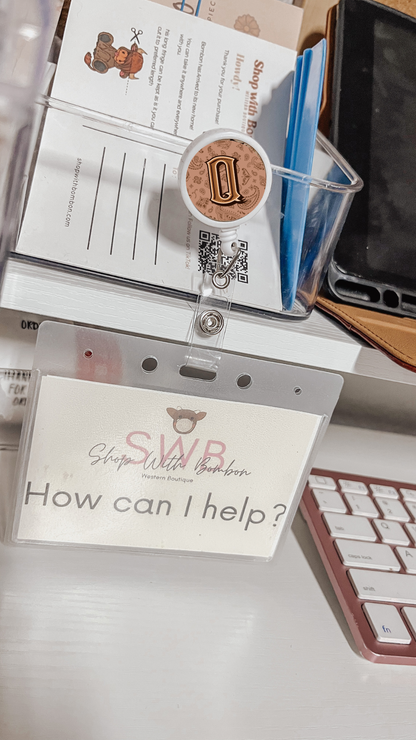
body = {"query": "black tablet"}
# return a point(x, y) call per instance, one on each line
point(374, 127)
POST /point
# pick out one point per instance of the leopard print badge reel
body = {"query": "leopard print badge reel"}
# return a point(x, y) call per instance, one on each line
point(225, 179)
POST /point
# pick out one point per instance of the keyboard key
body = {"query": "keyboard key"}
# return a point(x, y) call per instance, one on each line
point(329, 501)
point(411, 531)
point(392, 510)
point(322, 481)
point(377, 586)
point(409, 613)
point(392, 533)
point(408, 494)
point(352, 486)
point(411, 508)
point(385, 491)
point(361, 505)
point(408, 557)
point(387, 624)
point(349, 527)
point(367, 555)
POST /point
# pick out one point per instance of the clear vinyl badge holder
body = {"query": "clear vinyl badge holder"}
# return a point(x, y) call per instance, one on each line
point(121, 449)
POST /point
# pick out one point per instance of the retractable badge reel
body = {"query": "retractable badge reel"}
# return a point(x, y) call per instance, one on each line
point(225, 178)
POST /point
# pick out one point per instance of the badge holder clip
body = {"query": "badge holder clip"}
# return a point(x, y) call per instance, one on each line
point(218, 193)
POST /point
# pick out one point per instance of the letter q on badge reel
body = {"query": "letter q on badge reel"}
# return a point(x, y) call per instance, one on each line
point(225, 179)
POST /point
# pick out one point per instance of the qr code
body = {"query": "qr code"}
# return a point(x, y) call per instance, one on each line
point(207, 257)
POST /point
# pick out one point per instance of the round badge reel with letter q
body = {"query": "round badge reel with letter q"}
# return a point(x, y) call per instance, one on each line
point(225, 179)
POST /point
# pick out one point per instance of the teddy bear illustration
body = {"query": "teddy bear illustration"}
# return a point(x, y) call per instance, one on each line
point(105, 56)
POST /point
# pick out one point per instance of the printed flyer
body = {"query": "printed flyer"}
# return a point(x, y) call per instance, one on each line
point(138, 468)
point(114, 204)
point(140, 61)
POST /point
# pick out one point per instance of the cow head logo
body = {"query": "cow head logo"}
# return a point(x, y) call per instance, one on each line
point(185, 420)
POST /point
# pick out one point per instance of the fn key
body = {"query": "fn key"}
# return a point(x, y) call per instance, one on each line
point(386, 624)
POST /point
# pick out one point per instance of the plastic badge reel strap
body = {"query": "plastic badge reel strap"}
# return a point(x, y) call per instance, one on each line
point(225, 178)
point(153, 460)
point(210, 320)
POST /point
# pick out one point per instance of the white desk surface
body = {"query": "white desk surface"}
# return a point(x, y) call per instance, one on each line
point(113, 646)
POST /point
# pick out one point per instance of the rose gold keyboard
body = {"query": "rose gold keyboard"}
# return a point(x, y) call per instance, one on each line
point(365, 531)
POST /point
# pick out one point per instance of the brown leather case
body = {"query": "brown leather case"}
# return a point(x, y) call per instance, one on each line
point(393, 335)
point(314, 22)
point(326, 105)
